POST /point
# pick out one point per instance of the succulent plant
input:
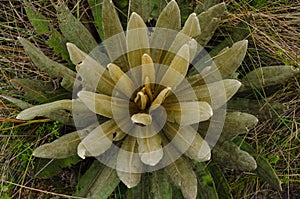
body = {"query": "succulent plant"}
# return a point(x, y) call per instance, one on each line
point(148, 104)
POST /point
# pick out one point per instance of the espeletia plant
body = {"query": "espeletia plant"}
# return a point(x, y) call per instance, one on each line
point(148, 103)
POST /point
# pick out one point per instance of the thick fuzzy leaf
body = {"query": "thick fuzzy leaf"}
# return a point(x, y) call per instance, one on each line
point(148, 70)
point(98, 140)
point(102, 104)
point(268, 76)
point(183, 176)
point(96, 7)
point(190, 29)
point(44, 109)
point(227, 66)
point(221, 184)
point(61, 116)
point(40, 91)
point(95, 75)
point(114, 36)
point(178, 68)
point(123, 83)
point(47, 168)
point(159, 186)
point(58, 43)
point(168, 20)
point(206, 185)
point(231, 156)
point(142, 190)
point(74, 30)
point(137, 40)
point(99, 182)
point(188, 141)
point(222, 66)
point(38, 21)
point(150, 149)
point(206, 4)
point(142, 7)
point(237, 123)
point(42, 25)
point(63, 147)
point(264, 169)
point(209, 21)
point(170, 17)
point(53, 68)
point(259, 108)
point(216, 93)
point(129, 165)
point(76, 55)
point(20, 103)
point(187, 113)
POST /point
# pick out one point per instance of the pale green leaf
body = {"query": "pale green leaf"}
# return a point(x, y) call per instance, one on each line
point(222, 186)
point(47, 168)
point(76, 55)
point(264, 169)
point(160, 187)
point(206, 184)
point(216, 93)
point(190, 29)
point(44, 109)
point(209, 21)
point(186, 113)
point(142, 7)
point(63, 147)
point(168, 20)
point(137, 40)
point(129, 165)
point(123, 83)
point(98, 181)
point(20, 103)
point(188, 141)
point(74, 30)
point(38, 21)
point(95, 75)
point(39, 91)
point(268, 76)
point(96, 7)
point(238, 123)
point(103, 104)
point(183, 176)
point(44, 63)
point(231, 156)
point(178, 68)
point(98, 140)
point(228, 66)
point(114, 35)
point(148, 69)
point(150, 149)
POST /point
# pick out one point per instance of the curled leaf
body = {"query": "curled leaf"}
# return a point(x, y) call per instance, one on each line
point(150, 149)
point(63, 147)
point(98, 140)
